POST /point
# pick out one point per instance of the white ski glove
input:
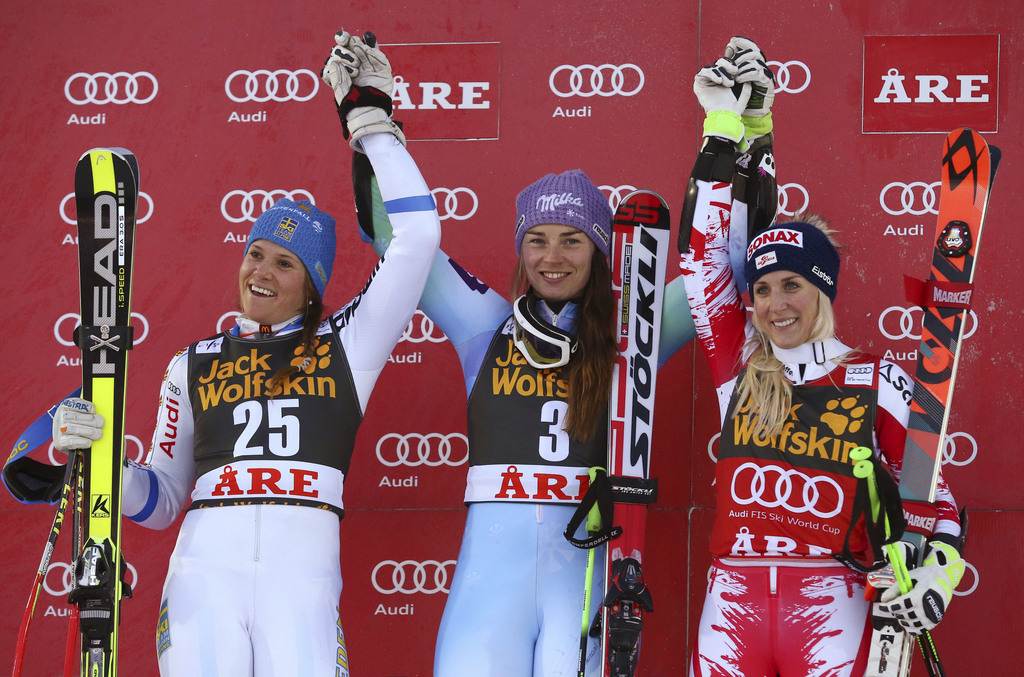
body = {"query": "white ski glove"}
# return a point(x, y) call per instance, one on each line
point(339, 68)
point(360, 76)
point(753, 68)
point(374, 67)
point(934, 582)
point(723, 99)
point(76, 425)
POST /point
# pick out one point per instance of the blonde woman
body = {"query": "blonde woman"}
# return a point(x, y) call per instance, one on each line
point(794, 401)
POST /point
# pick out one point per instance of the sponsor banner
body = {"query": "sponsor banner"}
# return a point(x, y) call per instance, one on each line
point(930, 83)
point(446, 91)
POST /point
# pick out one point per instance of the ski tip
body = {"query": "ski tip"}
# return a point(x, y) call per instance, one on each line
point(123, 152)
point(637, 192)
point(994, 155)
point(642, 207)
point(116, 150)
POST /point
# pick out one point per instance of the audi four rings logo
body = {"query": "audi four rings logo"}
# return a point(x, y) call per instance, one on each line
point(279, 85)
point(616, 193)
point(789, 191)
point(239, 205)
point(431, 450)
point(953, 443)
point(451, 207)
point(909, 319)
point(61, 322)
point(59, 584)
point(790, 76)
point(72, 220)
point(409, 576)
point(421, 330)
point(916, 197)
point(804, 500)
point(120, 88)
point(588, 80)
point(713, 447)
point(963, 589)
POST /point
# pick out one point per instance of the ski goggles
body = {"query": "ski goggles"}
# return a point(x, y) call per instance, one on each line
point(544, 345)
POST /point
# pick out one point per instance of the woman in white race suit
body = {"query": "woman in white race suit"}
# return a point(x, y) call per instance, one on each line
point(257, 424)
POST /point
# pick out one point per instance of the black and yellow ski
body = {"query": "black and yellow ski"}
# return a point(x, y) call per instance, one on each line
point(106, 196)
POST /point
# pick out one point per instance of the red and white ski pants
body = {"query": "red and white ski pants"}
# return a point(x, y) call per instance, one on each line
point(782, 619)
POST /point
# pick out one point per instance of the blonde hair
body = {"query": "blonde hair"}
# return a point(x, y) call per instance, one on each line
point(763, 382)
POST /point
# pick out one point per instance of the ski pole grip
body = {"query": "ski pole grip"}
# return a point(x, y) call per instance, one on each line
point(864, 469)
point(597, 497)
point(594, 514)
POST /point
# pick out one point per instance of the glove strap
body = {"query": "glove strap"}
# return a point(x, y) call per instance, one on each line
point(359, 97)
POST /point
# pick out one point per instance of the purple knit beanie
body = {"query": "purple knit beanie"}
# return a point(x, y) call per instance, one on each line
point(569, 198)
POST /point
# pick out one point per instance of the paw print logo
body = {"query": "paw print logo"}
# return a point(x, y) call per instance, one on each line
point(320, 360)
point(844, 414)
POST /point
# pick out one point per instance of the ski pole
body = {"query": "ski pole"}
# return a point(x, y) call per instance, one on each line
point(593, 526)
point(863, 468)
point(70, 473)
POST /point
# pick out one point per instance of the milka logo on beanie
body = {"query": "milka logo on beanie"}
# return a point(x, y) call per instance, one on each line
point(549, 203)
point(286, 229)
point(775, 236)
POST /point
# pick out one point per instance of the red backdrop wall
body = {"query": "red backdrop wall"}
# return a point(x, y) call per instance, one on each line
point(221, 104)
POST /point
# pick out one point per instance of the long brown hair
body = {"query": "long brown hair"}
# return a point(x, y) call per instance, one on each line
point(589, 371)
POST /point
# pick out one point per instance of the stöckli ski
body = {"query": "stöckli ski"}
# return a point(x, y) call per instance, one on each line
point(639, 256)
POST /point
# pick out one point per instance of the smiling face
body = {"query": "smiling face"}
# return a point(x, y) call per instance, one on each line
point(556, 259)
point(271, 283)
point(786, 307)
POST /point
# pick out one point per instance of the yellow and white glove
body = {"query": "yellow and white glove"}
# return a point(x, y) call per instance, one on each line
point(752, 67)
point(925, 604)
point(723, 99)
